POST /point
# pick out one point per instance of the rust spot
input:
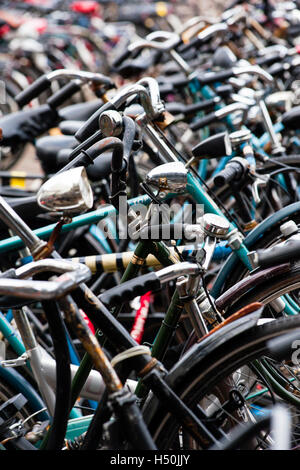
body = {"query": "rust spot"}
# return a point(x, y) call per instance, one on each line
point(89, 297)
point(153, 362)
point(239, 314)
point(250, 225)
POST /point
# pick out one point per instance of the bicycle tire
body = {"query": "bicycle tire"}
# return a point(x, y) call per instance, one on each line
point(268, 290)
point(199, 372)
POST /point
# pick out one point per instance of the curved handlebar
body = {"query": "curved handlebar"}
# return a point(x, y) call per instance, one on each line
point(150, 99)
point(73, 275)
point(44, 82)
point(151, 281)
point(55, 265)
point(253, 70)
point(171, 40)
point(82, 75)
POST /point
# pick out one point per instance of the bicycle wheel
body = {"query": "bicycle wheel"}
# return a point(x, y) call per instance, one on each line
point(268, 291)
point(213, 374)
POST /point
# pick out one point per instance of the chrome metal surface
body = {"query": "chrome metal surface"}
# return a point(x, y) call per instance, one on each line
point(150, 98)
point(209, 248)
point(170, 40)
point(215, 225)
point(239, 137)
point(78, 74)
point(111, 123)
point(179, 269)
point(156, 138)
point(73, 275)
point(275, 142)
point(231, 108)
point(281, 100)
point(213, 30)
point(254, 70)
point(191, 307)
point(288, 228)
point(169, 176)
point(48, 264)
point(68, 192)
point(19, 227)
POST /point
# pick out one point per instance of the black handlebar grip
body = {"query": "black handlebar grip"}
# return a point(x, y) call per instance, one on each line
point(194, 42)
point(92, 124)
point(202, 122)
point(211, 77)
point(181, 108)
point(279, 254)
point(268, 59)
point(293, 30)
point(118, 61)
point(193, 108)
point(62, 157)
point(277, 69)
point(130, 289)
point(63, 94)
point(34, 90)
point(84, 158)
point(231, 172)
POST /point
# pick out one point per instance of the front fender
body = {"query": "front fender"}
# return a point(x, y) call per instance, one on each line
point(197, 355)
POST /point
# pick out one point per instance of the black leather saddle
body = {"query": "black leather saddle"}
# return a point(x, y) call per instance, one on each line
point(54, 151)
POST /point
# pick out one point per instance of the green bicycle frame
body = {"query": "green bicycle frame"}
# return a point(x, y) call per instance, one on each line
point(193, 188)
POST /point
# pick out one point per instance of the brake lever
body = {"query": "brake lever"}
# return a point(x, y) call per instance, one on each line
point(260, 181)
point(209, 248)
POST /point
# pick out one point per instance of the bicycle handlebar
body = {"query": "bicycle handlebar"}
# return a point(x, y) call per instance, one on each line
point(49, 264)
point(150, 100)
point(211, 77)
point(205, 35)
point(171, 40)
point(142, 284)
point(73, 275)
point(233, 171)
point(253, 70)
point(219, 114)
point(44, 82)
point(278, 254)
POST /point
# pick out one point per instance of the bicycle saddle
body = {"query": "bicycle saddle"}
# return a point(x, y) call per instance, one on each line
point(79, 111)
point(48, 147)
point(25, 126)
point(70, 127)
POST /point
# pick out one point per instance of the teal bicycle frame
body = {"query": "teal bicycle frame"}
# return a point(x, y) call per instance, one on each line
point(199, 195)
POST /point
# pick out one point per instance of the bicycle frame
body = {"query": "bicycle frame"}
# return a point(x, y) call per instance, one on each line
point(193, 189)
